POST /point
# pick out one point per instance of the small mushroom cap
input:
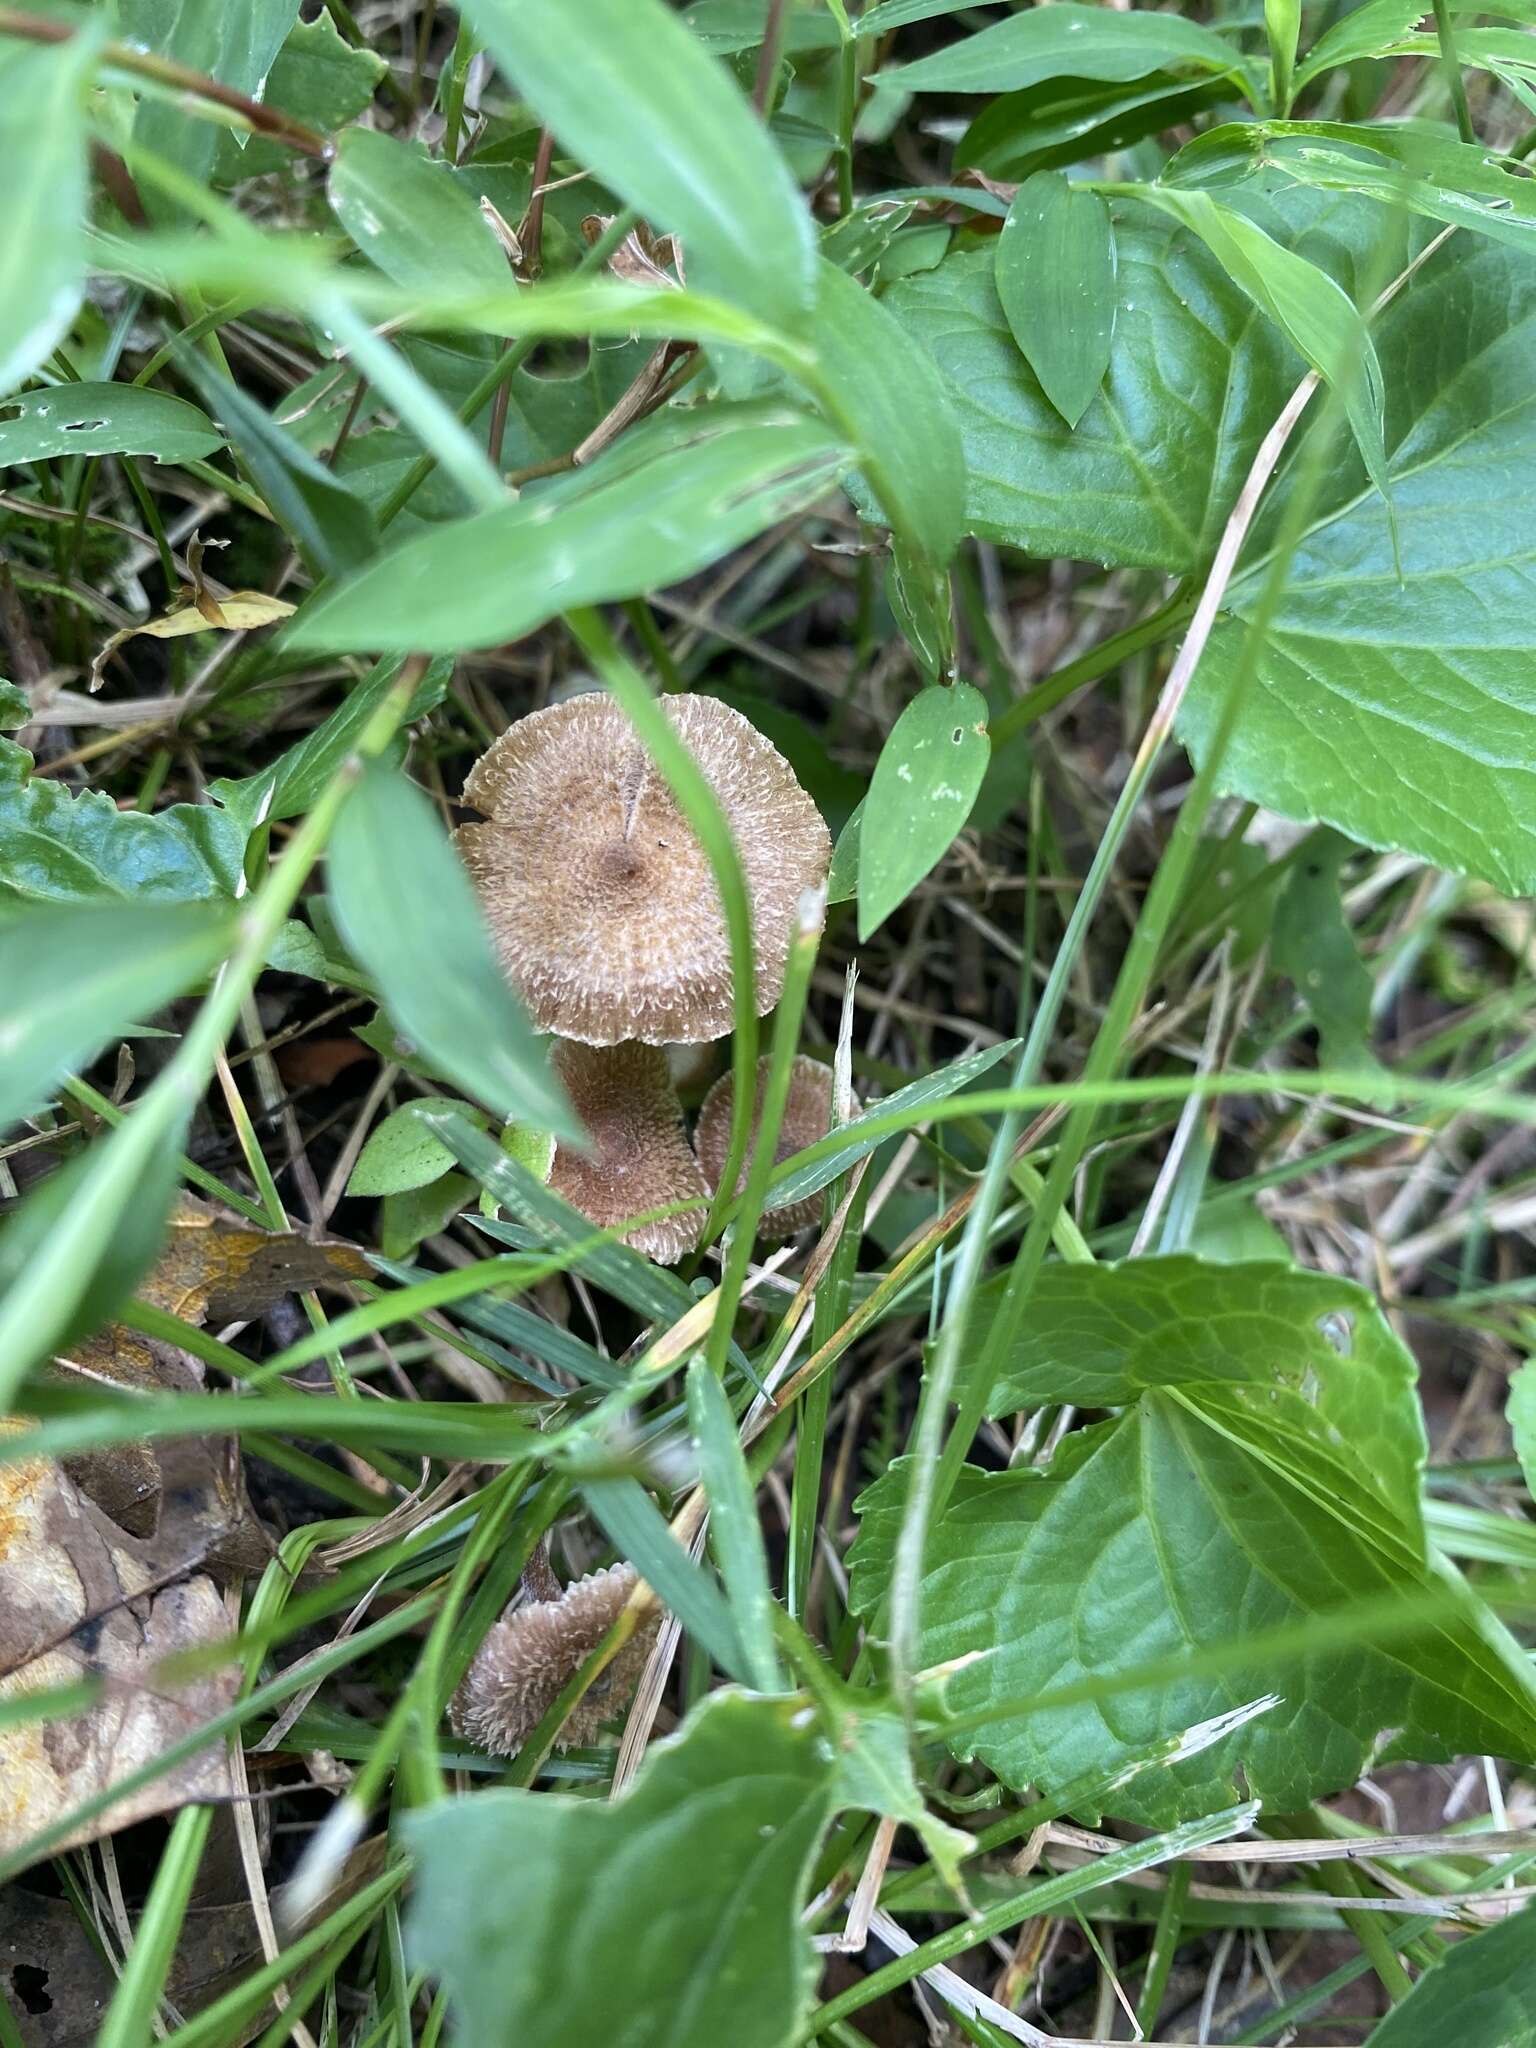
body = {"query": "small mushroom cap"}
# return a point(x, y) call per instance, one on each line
point(534, 1649)
point(639, 1157)
point(807, 1117)
point(602, 903)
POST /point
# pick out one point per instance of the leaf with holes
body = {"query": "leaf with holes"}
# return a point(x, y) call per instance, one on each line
point(105, 419)
point(924, 784)
point(1263, 1475)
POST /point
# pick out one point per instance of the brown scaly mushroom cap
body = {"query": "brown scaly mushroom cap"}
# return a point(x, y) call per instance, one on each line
point(639, 1157)
point(602, 903)
point(807, 1117)
point(534, 1649)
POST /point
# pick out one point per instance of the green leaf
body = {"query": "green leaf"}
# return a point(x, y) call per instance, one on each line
point(1461, 183)
point(416, 1213)
point(1065, 40)
point(1282, 24)
point(1363, 32)
point(234, 42)
point(1056, 283)
point(72, 979)
point(14, 708)
point(320, 80)
point(893, 406)
point(412, 217)
point(1069, 120)
point(104, 419)
point(1320, 321)
point(658, 507)
point(639, 1531)
point(1312, 942)
point(1522, 1421)
point(408, 913)
point(735, 1534)
point(1255, 1481)
point(634, 97)
point(59, 848)
point(712, 1845)
point(295, 779)
point(329, 524)
point(924, 784)
point(42, 143)
point(1401, 737)
point(875, 1773)
point(401, 1153)
point(1480, 1994)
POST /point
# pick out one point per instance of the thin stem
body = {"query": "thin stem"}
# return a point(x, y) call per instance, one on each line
point(1054, 689)
point(1453, 77)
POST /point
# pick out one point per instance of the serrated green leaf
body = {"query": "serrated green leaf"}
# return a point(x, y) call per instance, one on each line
point(409, 915)
point(924, 784)
point(235, 42)
point(59, 848)
point(42, 142)
point(1312, 942)
point(1522, 1421)
point(625, 525)
point(74, 978)
point(1056, 284)
point(1255, 1482)
point(402, 1153)
point(105, 419)
point(712, 1843)
point(1064, 40)
point(633, 96)
point(411, 217)
point(1480, 1994)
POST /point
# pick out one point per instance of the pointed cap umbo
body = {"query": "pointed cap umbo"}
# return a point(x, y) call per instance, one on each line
point(530, 1654)
point(807, 1117)
point(601, 901)
point(638, 1156)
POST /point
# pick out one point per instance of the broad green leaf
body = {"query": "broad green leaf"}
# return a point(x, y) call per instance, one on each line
point(408, 913)
point(60, 848)
point(634, 97)
point(42, 143)
point(1522, 1421)
point(875, 1773)
point(1314, 314)
point(735, 1533)
point(1065, 40)
point(1312, 943)
point(893, 406)
point(690, 1886)
point(1056, 284)
point(1460, 183)
point(1264, 1472)
point(405, 1219)
point(1480, 1994)
point(329, 524)
point(411, 217)
point(1102, 1335)
point(712, 480)
point(235, 42)
point(14, 707)
point(924, 784)
point(104, 419)
point(1364, 32)
point(727, 26)
point(402, 1153)
point(1068, 120)
point(1397, 711)
point(73, 979)
point(319, 79)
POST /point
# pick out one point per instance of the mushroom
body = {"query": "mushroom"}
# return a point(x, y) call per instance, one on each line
point(528, 1656)
point(600, 899)
point(807, 1117)
point(637, 1156)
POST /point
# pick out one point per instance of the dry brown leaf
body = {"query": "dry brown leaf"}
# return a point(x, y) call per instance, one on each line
point(79, 1597)
point(217, 1270)
point(197, 612)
